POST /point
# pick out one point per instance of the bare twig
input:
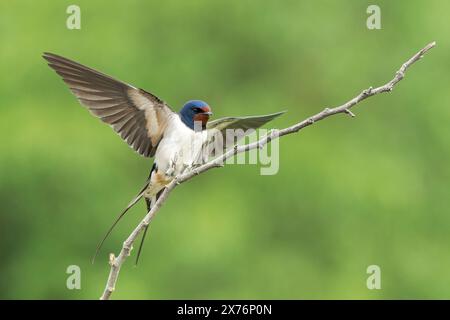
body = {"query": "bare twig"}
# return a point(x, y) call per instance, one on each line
point(116, 262)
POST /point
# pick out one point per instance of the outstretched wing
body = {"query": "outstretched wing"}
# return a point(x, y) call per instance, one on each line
point(138, 116)
point(245, 123)
point(231, 129)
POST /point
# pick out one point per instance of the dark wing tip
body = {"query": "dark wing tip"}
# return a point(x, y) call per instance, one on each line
point(272, 116)
point(49, 55)
point(277, 114)
point(52, 58)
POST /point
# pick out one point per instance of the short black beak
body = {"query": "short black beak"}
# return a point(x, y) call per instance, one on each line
point(208, 113)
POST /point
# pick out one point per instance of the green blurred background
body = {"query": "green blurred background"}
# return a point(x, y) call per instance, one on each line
point(349, 193)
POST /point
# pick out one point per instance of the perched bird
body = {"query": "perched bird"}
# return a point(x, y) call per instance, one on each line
point(149, 125)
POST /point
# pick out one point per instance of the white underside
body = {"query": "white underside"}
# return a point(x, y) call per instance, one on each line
point(179, 149)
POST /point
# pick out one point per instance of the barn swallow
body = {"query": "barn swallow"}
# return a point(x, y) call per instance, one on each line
point(148, 125)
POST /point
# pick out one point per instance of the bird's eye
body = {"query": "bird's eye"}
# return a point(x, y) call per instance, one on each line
point(198, 110)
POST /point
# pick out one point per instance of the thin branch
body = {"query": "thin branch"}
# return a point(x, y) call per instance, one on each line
point(116, 262)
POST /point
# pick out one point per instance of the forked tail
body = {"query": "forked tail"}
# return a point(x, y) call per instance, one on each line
point(150, 203)
point(130, 205)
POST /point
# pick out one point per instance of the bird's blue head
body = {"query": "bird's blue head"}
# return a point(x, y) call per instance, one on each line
point(195, 111)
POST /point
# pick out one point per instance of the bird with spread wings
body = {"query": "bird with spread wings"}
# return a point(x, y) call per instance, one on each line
point(148, 125)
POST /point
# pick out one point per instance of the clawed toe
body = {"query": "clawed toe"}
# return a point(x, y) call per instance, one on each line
point(170, 172)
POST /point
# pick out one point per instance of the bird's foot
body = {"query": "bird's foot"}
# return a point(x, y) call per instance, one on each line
point(192, 167)
point(170, 172)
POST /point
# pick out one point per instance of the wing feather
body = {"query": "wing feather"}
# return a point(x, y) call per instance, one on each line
point(138, 116)
point(241, 126)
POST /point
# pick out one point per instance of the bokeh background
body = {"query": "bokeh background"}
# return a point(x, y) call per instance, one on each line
point(349, 193)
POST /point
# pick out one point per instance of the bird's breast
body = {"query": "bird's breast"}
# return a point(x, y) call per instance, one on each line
point(179, 147)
